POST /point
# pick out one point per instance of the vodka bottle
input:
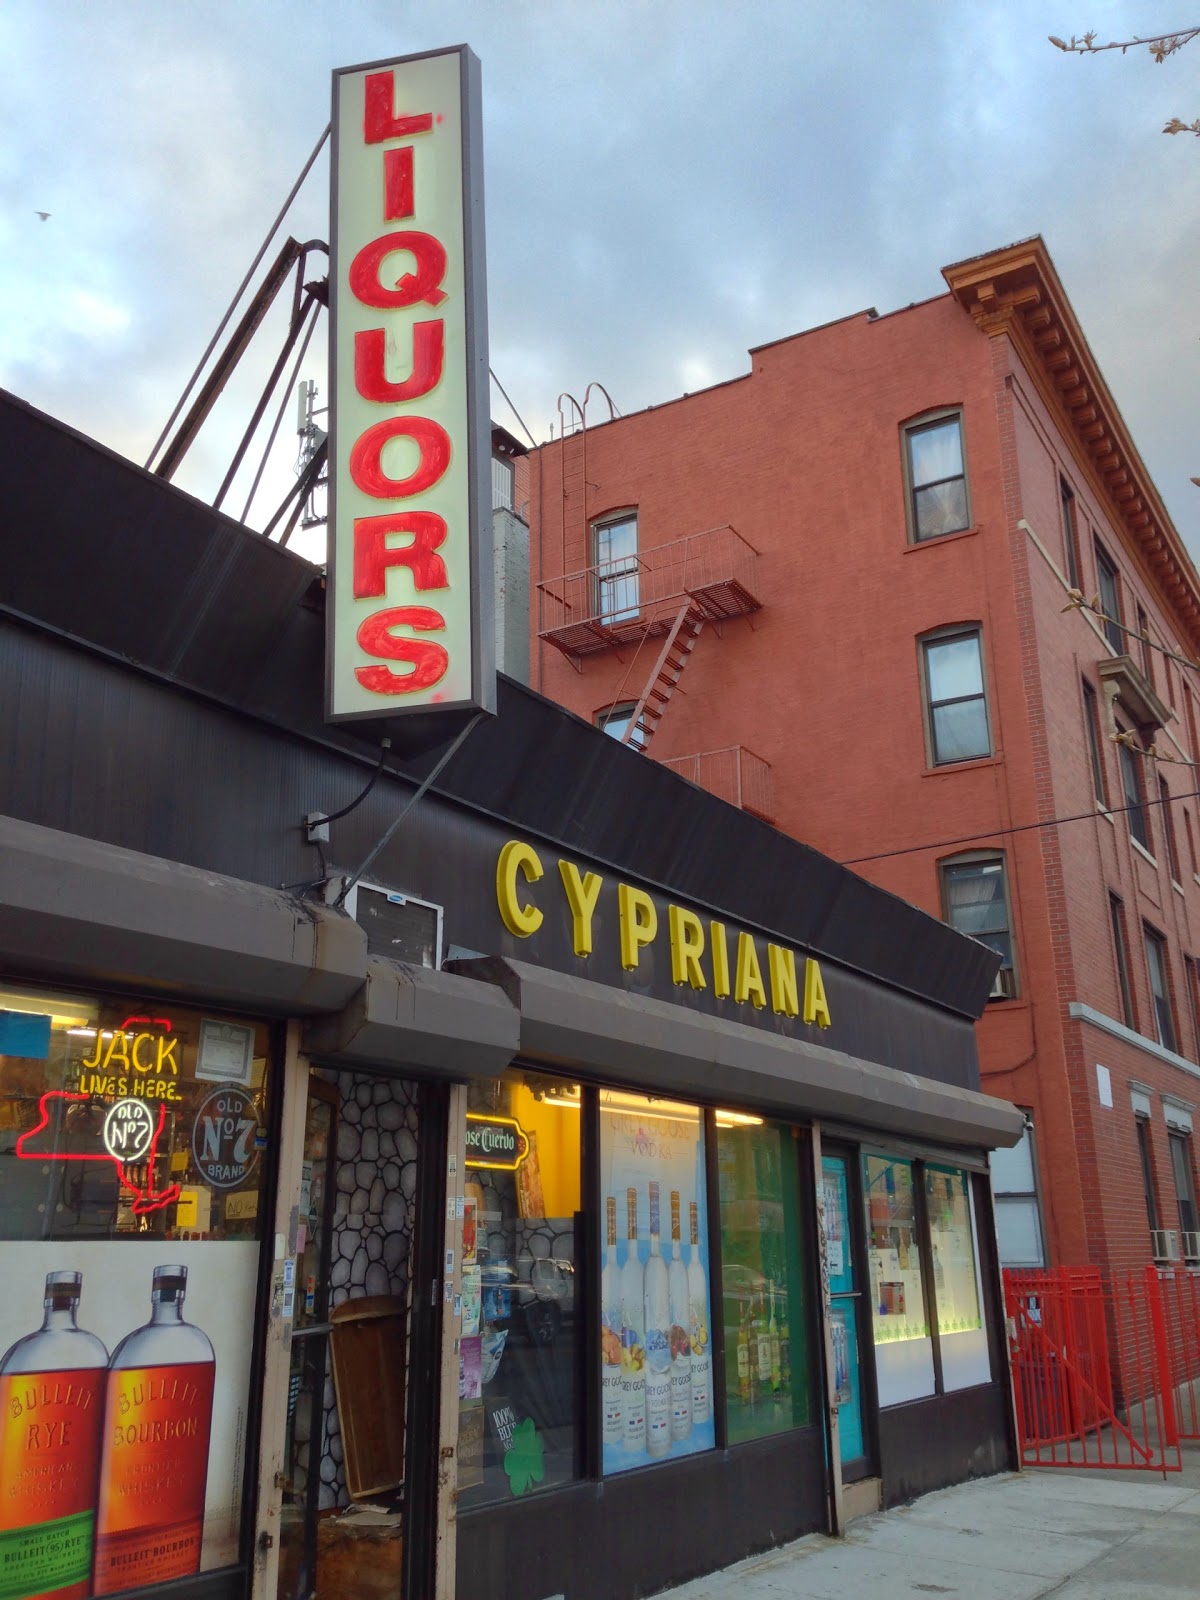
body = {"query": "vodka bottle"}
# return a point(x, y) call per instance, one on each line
point(658, 1340)
point(701, 1362)
point(51, 1412)
point(154, 1470)
point(681, 1358)
point(633, 1336)
point(610, 1328)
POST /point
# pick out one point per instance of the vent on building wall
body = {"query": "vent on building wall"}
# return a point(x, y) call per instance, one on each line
point(1164, 1244)
point(398, 926)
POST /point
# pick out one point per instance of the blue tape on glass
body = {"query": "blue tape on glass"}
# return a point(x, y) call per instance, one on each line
point(24, 1033)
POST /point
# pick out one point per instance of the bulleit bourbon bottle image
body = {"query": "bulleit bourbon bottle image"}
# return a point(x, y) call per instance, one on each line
point(51, 1410)
point(154, 1459)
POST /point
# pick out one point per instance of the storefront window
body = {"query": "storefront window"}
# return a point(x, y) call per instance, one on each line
point(518, 1403)
point(768, 1385)
point(903, 1348)
point(656, 1366)
point(132, 1140)
point(955, 1277)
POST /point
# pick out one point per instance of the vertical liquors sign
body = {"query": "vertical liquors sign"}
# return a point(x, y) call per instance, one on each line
point(411, 622)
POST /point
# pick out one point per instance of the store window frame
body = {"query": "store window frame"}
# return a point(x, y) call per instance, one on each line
point(230, 1580)
point(929, 643)
point(1005, 985)
point(928, 423)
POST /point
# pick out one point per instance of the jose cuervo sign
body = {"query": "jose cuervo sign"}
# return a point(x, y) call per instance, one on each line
point(410, 622)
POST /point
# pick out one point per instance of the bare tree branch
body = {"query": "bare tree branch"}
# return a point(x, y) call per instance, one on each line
point(1160, 47)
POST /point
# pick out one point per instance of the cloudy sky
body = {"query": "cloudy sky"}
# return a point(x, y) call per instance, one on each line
point(667, 183)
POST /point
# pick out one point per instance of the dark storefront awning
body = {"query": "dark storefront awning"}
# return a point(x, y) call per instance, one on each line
point(649, 1044)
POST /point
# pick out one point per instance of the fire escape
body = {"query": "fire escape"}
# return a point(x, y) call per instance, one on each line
point(661, 599)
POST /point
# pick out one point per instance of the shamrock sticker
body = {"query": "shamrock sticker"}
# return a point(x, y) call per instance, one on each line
point(524, 1460)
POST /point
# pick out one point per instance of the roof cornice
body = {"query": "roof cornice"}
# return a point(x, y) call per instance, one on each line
point(1016, 291)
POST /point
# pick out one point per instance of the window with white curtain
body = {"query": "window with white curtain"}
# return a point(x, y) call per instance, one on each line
point(936, 474)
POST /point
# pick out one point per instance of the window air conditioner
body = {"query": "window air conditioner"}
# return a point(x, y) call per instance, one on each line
point(398, 926)
point(1190, 1243)
point(1004, 986)
point(1164, 1244)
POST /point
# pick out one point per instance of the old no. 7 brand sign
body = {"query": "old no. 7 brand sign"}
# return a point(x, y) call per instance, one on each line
point(410, 621)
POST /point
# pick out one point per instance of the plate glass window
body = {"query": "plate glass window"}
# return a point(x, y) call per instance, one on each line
point(903, 1347)
point(976, 904)
point(615, 563)
point(518, 1413)
point(956, 1288)
point(958, 719)
point(764, 1295)
point(937, 478)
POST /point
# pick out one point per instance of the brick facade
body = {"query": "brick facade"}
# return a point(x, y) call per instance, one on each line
point(804, 458)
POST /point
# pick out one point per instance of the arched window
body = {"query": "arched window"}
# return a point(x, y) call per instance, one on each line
point(935, 476)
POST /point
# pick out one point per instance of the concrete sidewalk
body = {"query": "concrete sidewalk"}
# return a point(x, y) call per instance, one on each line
point(1075, 1535)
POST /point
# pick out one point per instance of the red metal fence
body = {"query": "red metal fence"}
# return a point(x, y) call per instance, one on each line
point(1098, 1362)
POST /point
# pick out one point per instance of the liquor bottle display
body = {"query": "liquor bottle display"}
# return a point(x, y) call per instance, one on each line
point(681, 1357)
point(610, 1330)
point(633, 1336)
point(51, 1412)
point(658, 1340)
point(154, 1469)
point(701, 1358)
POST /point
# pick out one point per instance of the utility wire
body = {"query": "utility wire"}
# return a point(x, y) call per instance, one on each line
point(392, 826)
point(512, 407)
point(253, 268)
point(1078, 602)
point(1024, 827)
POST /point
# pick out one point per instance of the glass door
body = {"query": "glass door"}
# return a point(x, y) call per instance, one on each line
point(845, 1315)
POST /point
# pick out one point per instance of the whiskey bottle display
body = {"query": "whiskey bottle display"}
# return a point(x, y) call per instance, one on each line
point(762, 1346)
point(610, 1326)
point(154, 1468)
point(658, 1338)
point(633, 1336)
point(743, 1355)
point(51, 1410)
point(701, 1362)
point(681, 1357)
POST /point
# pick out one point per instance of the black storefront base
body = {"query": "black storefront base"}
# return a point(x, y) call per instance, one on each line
point(640, 1532)
point(948, 1438)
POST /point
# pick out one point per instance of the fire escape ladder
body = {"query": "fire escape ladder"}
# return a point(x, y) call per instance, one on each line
point(664, 679)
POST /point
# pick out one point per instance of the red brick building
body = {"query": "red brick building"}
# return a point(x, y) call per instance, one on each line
point(838, 591)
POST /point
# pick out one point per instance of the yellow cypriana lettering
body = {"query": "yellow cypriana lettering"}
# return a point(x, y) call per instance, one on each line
point(639, 922)
point(816, 1007)
point(687, 946)
point(748, 982)
point(719, 946)
point(582, 894)
point(784, 993)
point(515, 857)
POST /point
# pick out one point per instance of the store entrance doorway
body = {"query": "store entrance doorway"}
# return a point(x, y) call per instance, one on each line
point(345, 1496)
point(848, 1318)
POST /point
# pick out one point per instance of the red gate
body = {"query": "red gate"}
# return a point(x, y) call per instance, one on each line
point(1180, 1287)
point(1093, 1376)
